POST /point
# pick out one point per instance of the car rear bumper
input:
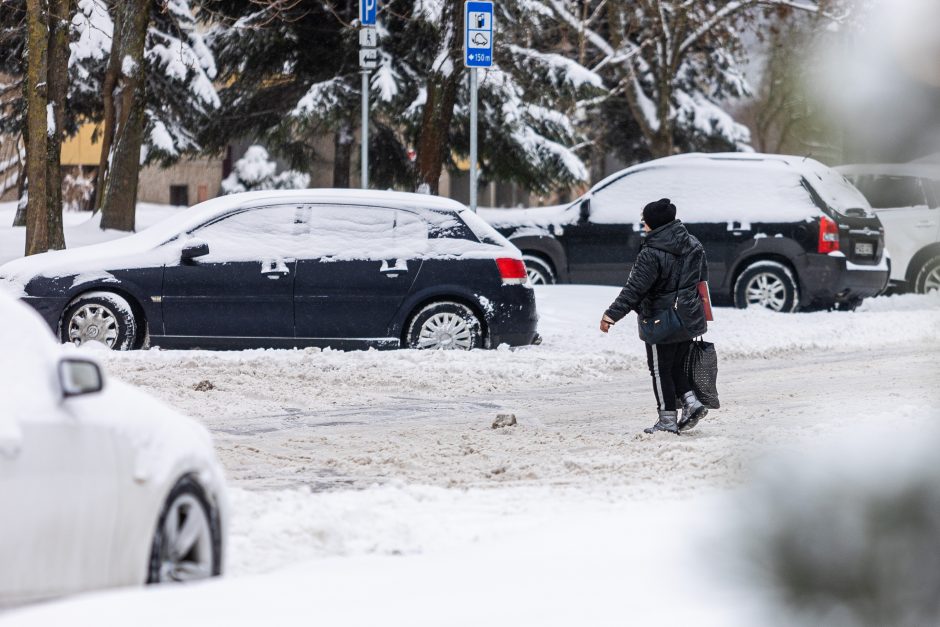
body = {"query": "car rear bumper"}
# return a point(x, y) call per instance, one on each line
point(513, 319)
point(50, 308)
point(829, 279)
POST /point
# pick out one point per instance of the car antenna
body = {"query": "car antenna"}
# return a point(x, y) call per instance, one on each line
point(808, 155)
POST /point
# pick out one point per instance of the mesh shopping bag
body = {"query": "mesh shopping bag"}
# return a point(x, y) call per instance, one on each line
point(701, 366)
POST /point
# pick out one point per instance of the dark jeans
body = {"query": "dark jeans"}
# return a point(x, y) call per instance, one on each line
point(667, 367)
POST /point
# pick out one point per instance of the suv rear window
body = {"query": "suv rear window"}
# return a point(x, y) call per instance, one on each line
point(884, 192)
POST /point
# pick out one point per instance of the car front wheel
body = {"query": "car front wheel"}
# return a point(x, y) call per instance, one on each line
point(767, 284)
point(445, 326)
point(538, 270)
point(187, 544)
point(101, 317)
point(928, 279)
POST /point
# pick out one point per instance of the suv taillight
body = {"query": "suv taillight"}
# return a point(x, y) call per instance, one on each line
point(828, 236)
point(512, 271)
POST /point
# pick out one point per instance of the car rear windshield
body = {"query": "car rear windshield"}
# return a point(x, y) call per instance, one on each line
point(485, 233)
point(835, 190)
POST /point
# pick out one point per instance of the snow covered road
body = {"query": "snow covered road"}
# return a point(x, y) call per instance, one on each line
point(369, 487)
point(329, 420)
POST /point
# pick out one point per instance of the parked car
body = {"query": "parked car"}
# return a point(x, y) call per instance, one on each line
point(100, 484)
point(907, 200)
point(340, 268)
point(780, 232)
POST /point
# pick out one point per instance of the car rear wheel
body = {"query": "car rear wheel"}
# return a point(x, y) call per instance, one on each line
point(445, 326)
point(101, 317)
point(928, 279)
point(539, 271)
point(767, 284)
point(187, 544)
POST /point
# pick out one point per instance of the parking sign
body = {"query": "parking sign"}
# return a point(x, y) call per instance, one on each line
point(367, 10)
point(478, 33)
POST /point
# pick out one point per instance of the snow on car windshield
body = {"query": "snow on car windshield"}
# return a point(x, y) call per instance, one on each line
point(835, 189)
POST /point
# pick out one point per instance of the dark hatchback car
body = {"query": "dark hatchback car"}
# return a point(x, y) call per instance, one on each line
point(785, 233)
point(339, 268)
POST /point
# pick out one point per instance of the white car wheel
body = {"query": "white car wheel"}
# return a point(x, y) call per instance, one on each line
point(928, 279)
point(186, 545)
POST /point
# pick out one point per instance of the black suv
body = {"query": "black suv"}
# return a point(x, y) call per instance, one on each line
point(782, 232)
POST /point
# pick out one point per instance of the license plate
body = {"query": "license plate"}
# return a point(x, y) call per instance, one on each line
point(865, 249)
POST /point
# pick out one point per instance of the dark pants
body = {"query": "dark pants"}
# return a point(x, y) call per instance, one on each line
point(667, 367)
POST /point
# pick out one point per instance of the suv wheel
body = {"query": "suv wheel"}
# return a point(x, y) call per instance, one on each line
point(540, 271)
point(767, 284)
point(445, 326)
point(928, 279)
point(100, 317)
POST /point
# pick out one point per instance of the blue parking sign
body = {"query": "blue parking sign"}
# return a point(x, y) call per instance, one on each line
point(367, 10)
point(478, 33)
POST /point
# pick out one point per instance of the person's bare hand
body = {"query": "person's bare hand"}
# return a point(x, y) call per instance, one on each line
point(606, 323)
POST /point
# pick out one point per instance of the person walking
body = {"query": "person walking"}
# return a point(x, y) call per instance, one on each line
point(666, 274)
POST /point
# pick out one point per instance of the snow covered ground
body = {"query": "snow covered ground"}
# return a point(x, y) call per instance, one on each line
point(369, 487)
point(81, 227)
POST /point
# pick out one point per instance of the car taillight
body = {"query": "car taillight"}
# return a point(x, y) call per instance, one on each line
point(512, 271)
point(828, 236)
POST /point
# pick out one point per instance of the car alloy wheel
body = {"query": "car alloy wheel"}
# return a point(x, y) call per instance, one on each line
point(928, 279)
point(538, 270)
point(768, 284)
point(766, 290)
point(101, 317)
point(93, 323)
point(187, 545)
point(446, 331)
point(186, 550)
point(445, 326)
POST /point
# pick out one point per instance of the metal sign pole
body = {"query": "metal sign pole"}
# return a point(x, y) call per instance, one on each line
point(473, 139)
point(365, 129)
point(477, 52)
point(368, 60)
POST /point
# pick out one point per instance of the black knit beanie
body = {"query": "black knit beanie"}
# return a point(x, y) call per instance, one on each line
point(659, 213)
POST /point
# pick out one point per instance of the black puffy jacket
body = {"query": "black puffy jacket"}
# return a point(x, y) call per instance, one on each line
point(669, 258)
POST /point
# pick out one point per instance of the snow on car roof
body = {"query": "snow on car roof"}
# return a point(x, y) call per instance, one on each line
point(127, 249)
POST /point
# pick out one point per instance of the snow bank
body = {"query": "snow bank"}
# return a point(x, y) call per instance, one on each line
point(446, 557)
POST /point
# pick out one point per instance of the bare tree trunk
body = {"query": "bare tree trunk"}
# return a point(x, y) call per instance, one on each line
point(120, 187)
point(58, 77)
point(20, 218)
point(107, 97)
point(433, 138)
point(342, 154)
point(37, 227)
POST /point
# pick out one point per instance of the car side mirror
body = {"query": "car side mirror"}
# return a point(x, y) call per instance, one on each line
point(193, 249)
point(79, 377)
point(585, 213)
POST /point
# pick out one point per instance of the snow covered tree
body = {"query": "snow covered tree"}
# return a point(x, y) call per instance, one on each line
point(291, 73)
point(526, 99)
point(256, 170)
point(158, 91)
point(668, 63)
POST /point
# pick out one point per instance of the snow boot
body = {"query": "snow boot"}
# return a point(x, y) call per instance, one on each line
point(667, 422)
point(692, 411)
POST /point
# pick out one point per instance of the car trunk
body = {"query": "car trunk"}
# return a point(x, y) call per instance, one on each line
point(861, 237)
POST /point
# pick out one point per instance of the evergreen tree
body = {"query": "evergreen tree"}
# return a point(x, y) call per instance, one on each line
point(256, 170)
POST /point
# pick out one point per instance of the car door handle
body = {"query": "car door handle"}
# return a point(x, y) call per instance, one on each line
point(275, 268)
point(400, 267)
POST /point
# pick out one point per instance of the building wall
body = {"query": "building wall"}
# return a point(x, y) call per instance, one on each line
point(201, 177)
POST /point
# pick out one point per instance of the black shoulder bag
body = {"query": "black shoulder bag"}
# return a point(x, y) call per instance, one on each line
point(664, 324)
